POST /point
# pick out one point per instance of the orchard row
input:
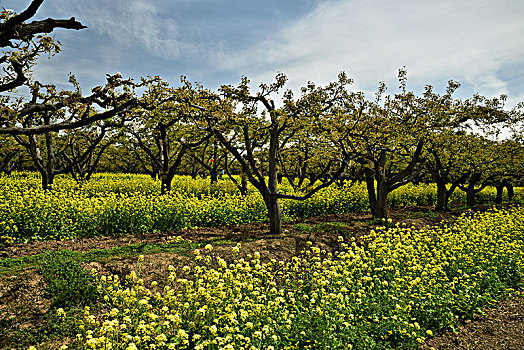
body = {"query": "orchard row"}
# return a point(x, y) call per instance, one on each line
point(314, 137)
point(113, 204)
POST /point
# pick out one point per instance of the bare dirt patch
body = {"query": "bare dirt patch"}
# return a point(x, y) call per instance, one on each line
point(502, 327)
point(360, 224)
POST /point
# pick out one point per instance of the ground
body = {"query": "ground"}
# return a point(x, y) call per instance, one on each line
point(24, 304)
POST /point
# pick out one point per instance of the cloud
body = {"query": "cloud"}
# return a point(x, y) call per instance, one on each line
point(470, 41)
point(139, 24)
point(476, 42)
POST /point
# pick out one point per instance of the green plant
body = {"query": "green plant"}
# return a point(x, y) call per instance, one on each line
point(58, 328)
point(67, 282)
point(303, 227)
point(392, 293)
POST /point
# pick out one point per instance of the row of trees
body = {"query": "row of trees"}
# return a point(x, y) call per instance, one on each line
point(327, 134)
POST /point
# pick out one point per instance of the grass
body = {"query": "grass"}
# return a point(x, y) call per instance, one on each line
point(14, 265)
point(337, 228)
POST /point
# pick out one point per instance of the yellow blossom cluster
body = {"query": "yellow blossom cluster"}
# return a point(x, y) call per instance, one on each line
point(114, 204)
point(392, 291)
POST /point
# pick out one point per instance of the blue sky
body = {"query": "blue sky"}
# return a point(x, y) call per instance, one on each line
point(476, 42)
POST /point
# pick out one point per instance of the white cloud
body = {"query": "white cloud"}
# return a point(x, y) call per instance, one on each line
point(140, 24)
point(469, 41)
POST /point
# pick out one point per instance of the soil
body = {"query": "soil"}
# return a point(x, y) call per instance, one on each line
point(501, 327)
point(23, 304)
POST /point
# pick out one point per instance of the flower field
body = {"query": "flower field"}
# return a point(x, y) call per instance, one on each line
point(393, 287)
point(115, 204)
point(394, 291)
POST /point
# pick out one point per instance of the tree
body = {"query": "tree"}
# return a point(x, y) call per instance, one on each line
point(120, 156)
point(52, 161)
point(210, 156)
point(386, 137)
point(49, 111)
point(23, 42)
point(443, 161)
point(9, 151)
point(84, 149)
point(508, 171)
point(455, 155)
point(163, 131)
point(19, 36)
point(480, 158)
point(258, 131)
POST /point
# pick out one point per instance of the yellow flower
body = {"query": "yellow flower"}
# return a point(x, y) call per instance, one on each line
point(60, 312)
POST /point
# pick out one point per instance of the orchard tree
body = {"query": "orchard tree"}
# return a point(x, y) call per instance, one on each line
point(48, 110)
point(444, 160)
point(22, 42)
point(120, 157)
point(258, 131)
point(9, 152)
point(210, 155)
point(85, 147)
point(25, 41)
point(454, 154)
point(312, 154)
point(43, 148)
point(508, 171)
point(446, 142)
point(480, 159)
point(163, 130)
point(489, 116)
point(386, 137)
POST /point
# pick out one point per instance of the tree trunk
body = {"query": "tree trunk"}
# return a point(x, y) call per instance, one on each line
point(274, 214)
point(381, 206)
point(377, 197)
point(370, 185)
point(442, 196)
point(511, 192)
point(243, 187)
point(6, 166)
point(500, 190)
point(45, 180)
point(270, 197)
point(214, 176)
point(509, 188)
point(166, 184)
point(470, 190)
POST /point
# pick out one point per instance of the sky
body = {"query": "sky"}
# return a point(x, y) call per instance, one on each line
point(478, 43)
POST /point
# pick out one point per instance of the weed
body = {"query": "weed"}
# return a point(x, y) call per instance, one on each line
point(67, 282)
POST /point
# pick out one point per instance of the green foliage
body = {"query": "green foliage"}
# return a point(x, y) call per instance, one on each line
point(58, 328)
point(11, 265)
point(335, 228)
point(67, 282)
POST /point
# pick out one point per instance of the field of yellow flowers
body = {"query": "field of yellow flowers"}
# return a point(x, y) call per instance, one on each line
point(392, 292)
point(391, 288)
point(117, 204)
